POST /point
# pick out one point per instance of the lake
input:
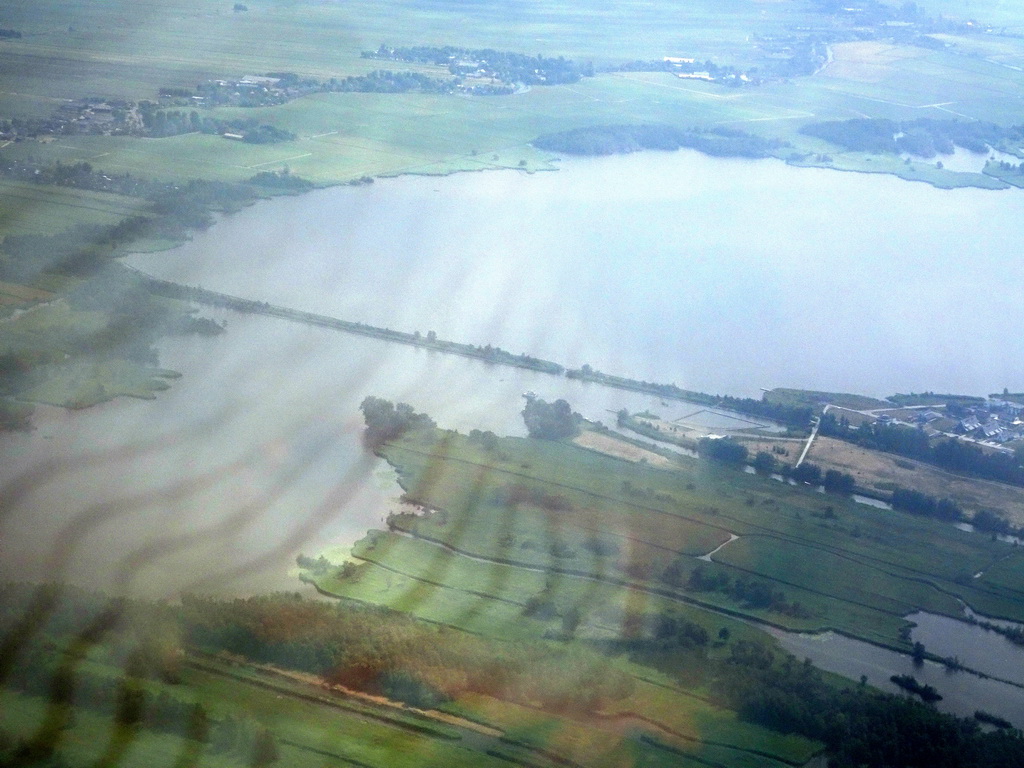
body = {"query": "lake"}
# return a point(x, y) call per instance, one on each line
point(719, 275)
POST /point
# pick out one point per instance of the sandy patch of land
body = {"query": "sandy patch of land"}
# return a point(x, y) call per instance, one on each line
point(877, 470)
point(612, 446)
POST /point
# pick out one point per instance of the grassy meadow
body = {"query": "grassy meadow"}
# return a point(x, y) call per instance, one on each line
point(600, 535)
point(130, 50)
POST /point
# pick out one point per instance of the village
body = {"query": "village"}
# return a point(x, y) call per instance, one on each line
point(994, 423)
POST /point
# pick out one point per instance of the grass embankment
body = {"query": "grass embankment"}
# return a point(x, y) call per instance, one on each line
point(490, 354)
point(599, 535)
point(51, 335)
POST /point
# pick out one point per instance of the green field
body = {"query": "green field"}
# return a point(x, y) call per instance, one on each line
point(307, 725)
point(617, 527)
point(528, 542)
point(313, 721)
point(29, 208)
point(130, 50)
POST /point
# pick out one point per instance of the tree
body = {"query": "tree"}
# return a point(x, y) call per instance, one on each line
point(723, 449)
point(838, 482)
point(807, 473)
point(918, 653)
point(550, 421)
point(386, 421)
point(765, 463)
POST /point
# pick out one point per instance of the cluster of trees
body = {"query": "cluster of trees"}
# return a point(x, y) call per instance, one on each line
point(832, 480)
point(723, 449)
point(160, 123)
point(9, 34)
point(749, 592)
point(987, 717)
point(506, 66)
point(385, 81)
point(487, 439)
point(859, 726)
point(550, 421)
point(494, 354)
point(911, 684)
point(383, 651)
point(954, 455)
point(731, 451)
point(514, 495)
point(990, 522)
point(217, 195)
point(621, 139)
point(81, 175)
point(715, 71)
point(918, 503)
point(649, 635)
point(174, 210)
point(924, 137)
point(386, 421)
point(765, 463)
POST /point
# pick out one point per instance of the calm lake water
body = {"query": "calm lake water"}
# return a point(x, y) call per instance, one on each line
point(722, 276)
point(962, 692)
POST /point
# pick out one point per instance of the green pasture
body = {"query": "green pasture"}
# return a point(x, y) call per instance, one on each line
point(33, 208)
point(314, 726)
point(326, 734)
point(349, 135)
point(84, 382)
point(55, 332)
point(480, 598)
point(306, 731)
point(86, 741)
point(852, 567)
point(130, 49)
point(698, 491)
point(1007, 574)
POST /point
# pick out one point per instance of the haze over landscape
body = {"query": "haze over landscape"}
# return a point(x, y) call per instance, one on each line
point(473, 383)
